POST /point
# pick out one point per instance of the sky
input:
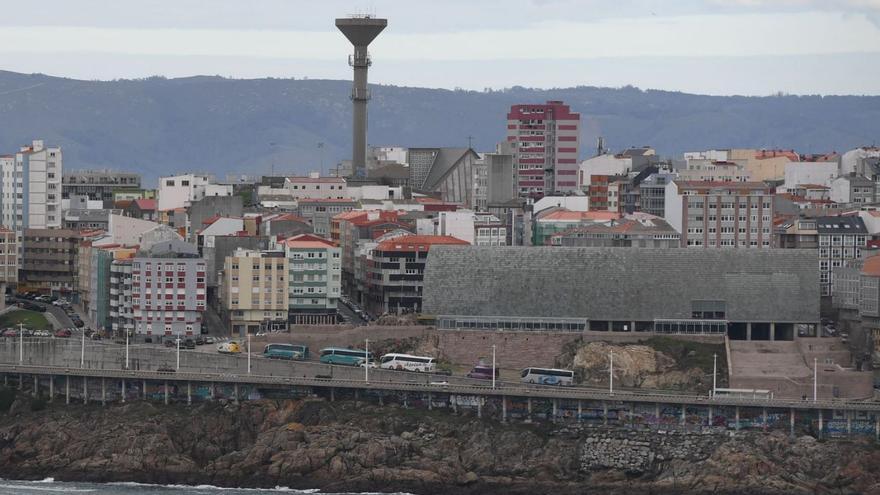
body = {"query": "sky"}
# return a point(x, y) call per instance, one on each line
point(722, 47)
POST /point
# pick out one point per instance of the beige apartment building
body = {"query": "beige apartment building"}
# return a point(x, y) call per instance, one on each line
point(8, 261)
point(254, 291)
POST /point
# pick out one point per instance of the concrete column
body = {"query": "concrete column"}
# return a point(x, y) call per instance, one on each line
point(711, 416)
point(123, 390)
point(236, 392)
point(772, 331)
point(821, 424)
point(876, 427)
point(51, 388)
point(212, 390)
point(848, 423)
point(791, 422)
point(479, 407)
point(405, 400)
point(580, 410)
point(166, 392)
point(20, 381)
point(610, 325)
point(67, 386)
point(36, 385)
point(85, 390)
point(748, 331)
point(451, 399)
point(683, 414)
point(657, 411)
point(604, 412)
point(382, 400)
point(736, 424)
point(764, 415)
point(5, 380)
point(504, 409)
point(430, 399)
point(529, 415)
point(103, 392)
point(555, 409)
point(145, 389)
point(189, 394)
point(332, 394)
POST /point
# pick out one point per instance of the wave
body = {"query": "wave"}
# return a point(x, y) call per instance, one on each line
point(59, 489)
point(212, 487)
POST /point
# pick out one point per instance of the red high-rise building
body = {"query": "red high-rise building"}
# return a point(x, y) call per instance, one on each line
point(545, 140)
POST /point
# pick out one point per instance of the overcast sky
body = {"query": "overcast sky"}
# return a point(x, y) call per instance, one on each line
point(754, 47)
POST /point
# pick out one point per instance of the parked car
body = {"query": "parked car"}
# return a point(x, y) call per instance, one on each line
point(200, 340)
point(78, 323)
point(96, 336)
point(189, 344)
point(169, 343)
point(209, 340)
point(42, 333)
point(63, 333)
point(10, 332)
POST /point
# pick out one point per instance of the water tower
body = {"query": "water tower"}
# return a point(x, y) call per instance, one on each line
point(360, 31)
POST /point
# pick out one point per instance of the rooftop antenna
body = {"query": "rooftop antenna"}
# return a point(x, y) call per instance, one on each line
point(361, 30)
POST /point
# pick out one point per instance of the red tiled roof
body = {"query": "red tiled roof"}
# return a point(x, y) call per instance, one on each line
point(872, 266)
point(790, 154)
point(577, 216)
point(412, 243)
point(145, 204)
point(287, 216)
point(308, 241)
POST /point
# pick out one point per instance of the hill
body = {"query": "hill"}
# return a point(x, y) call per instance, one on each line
point(212, 124)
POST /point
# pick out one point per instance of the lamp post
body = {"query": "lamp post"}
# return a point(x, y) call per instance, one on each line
point(815, 379)
point(611, 372)
point(20, 343)
point(493, 365)
point(178, 352)
point(367, 360)
point(714, 372)
point(82, 351)
point(126, 350)
point(249, 352)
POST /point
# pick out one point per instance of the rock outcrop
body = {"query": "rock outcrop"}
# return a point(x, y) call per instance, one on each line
point(347, 446)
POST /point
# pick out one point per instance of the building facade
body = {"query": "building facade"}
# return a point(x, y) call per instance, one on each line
point(721, 214)
point(8, 260)
point(546, 146)
point(254, 291)
point(315, 279)
point(31, 188)
point(49, 261)
point(168, 290)
point(99, 185)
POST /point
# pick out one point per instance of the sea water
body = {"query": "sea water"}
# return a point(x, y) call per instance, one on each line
point(50, 486)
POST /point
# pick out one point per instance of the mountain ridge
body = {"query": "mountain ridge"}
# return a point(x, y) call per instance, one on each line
point(158, 126)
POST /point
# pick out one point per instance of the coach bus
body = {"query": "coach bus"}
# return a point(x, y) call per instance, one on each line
point(345, 357)
point(547, 376)
point(407, 362)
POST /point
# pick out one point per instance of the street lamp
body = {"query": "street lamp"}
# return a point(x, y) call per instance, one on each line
point(126, 349)
point(493, 365)
point(815, 378)
point(611, 372)
point(714, 372)
point(82, 351)
point(178, 352)
point(367, 362)
point(249, 352)
point(20, 343)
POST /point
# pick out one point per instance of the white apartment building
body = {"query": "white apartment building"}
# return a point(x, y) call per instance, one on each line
point(31, 188)
point(700, 169)
point(315, 279)
point(809, 173)
point(459, 224)
point(182, 190)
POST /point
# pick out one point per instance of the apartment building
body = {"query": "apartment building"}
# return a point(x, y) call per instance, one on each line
point(319, 212)
point(652, 198)
point(633, 230)
point(395, 272)
point(8, 261)
point(181, 191)
point(99, 185)
point(315, 279)
point(545, 139)
point(721, 214)
point(168, 295)
point(30, 197)
point(254, 291)
point(853, 190)
point(49, 261)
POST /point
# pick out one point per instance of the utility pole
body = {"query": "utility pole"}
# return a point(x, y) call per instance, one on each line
point(367, 360)
point(249, 352)
point(714, 372)
point(493, 365)
point(82, 352)
point(611, 372)
point(815, 378)
point(20, 343)
point(126, 349)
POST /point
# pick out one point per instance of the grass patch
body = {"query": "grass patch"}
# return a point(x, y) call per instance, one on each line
point(31, 320)
point(689, 354)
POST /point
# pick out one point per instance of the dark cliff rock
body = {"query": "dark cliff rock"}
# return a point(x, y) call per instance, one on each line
point(346, 446)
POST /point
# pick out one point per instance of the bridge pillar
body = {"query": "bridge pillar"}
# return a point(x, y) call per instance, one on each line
point(632, 414)
point(405, 400)
point(332, 394)
point(529, 417)
point(430, 399)
point(849, 423)
point(555, 406)
point(711, 416)
point(103, 392)
point(821, 424)
point(67, 386)
point(748, 331)
point(36, 386)
point(504, 409)
point(235, 392)
point(451, 399)
point(20, 381)
point(189, 396)
point(791, 422)
point(382, 400)
point(166, 392)
point(123, 390)
point(772, 331)
point(683, 414)
point(764, 416)
point(736, 423)
point(604, 412)
point(212, 390)
point(51, 388)
point(580, 410)
point(479, 407)
point(657, 412)
point(876, 427)
point(85, 390)
point(5, 380)
point(145, 389)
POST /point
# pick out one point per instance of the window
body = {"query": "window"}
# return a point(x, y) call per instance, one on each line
point(169, 183)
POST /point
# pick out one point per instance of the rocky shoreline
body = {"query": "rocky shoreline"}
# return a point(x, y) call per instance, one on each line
point(352, 447)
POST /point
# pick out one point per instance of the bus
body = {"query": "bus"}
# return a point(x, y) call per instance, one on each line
point(407, 362)
point(743, 393)
point(286, 351)
point(347, 357)
point(548, 376)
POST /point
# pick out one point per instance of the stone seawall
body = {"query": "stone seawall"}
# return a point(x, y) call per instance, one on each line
point(643, 451)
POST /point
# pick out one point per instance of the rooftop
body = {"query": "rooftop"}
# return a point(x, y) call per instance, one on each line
point(579, 216)
point(412, 243)
point(308, 241)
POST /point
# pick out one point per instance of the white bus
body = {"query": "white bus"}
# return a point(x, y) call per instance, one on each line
point(407, 362)
point(744, 393)
point(548, 376)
